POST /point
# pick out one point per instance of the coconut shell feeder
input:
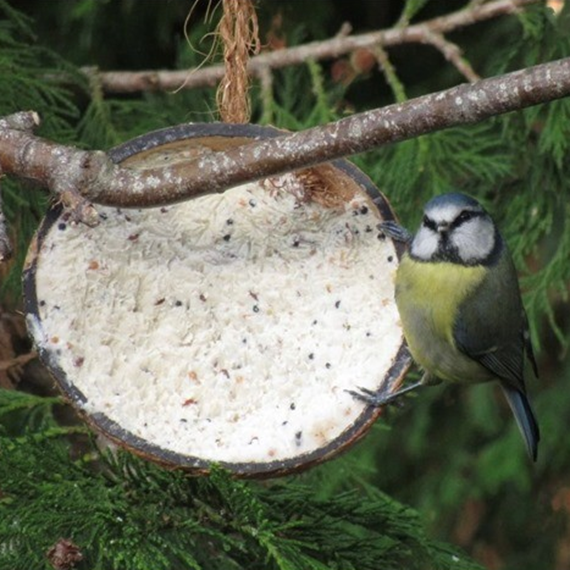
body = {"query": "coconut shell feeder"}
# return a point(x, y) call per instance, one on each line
point(226, 329)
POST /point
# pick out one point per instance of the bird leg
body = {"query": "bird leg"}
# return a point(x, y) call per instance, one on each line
point(395, 231)
point(383, 397)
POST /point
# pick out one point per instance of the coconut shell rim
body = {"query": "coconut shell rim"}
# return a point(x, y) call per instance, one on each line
point(142, 447)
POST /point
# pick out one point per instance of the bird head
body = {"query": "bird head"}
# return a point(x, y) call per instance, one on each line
point(455, 228)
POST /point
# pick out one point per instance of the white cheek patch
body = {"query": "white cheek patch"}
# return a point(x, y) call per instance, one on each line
point(425, 243)
point(474, 239)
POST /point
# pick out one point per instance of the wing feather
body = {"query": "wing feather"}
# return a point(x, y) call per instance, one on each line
point(492, 329)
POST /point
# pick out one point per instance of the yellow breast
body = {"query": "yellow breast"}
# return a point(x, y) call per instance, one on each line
point(428, 296)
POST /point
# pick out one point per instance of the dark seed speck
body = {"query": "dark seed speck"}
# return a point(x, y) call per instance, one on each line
point(227, 237)
point(328, 365)
point(364, 210)
point(311, 356)
point(255, 309)
point(61, 226)
point(381, 237)
point(337, 304)
point(390, 258)
point(178, 303)
point(292, 406)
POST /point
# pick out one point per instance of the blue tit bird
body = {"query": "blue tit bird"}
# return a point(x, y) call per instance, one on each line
point(460, 306)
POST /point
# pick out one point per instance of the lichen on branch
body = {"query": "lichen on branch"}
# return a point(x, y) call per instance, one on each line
point(97, 179)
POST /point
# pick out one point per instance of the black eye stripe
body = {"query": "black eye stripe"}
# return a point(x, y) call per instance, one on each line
point(465, 216)
point(429, 223)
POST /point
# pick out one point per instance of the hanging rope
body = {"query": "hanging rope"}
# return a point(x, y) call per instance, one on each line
point(239, 32)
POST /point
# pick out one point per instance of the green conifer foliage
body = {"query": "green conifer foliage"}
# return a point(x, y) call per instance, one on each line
point(448, 453)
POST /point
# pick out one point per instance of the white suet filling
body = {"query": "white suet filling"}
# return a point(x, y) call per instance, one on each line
point(227, 327)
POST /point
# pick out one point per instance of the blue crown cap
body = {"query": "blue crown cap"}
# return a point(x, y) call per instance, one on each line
point(453, 199)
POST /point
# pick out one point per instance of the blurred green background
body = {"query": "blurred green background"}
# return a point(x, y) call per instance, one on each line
point(453, 454)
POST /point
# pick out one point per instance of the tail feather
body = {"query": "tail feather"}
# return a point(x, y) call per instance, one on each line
point(525, 418)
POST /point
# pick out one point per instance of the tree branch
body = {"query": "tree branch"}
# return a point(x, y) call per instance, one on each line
point(153, 80)
point(96, 178)
point(452, 53)
point(5, 245)
point(17, 361)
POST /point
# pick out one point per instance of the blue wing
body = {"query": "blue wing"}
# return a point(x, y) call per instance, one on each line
point(492, 329)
